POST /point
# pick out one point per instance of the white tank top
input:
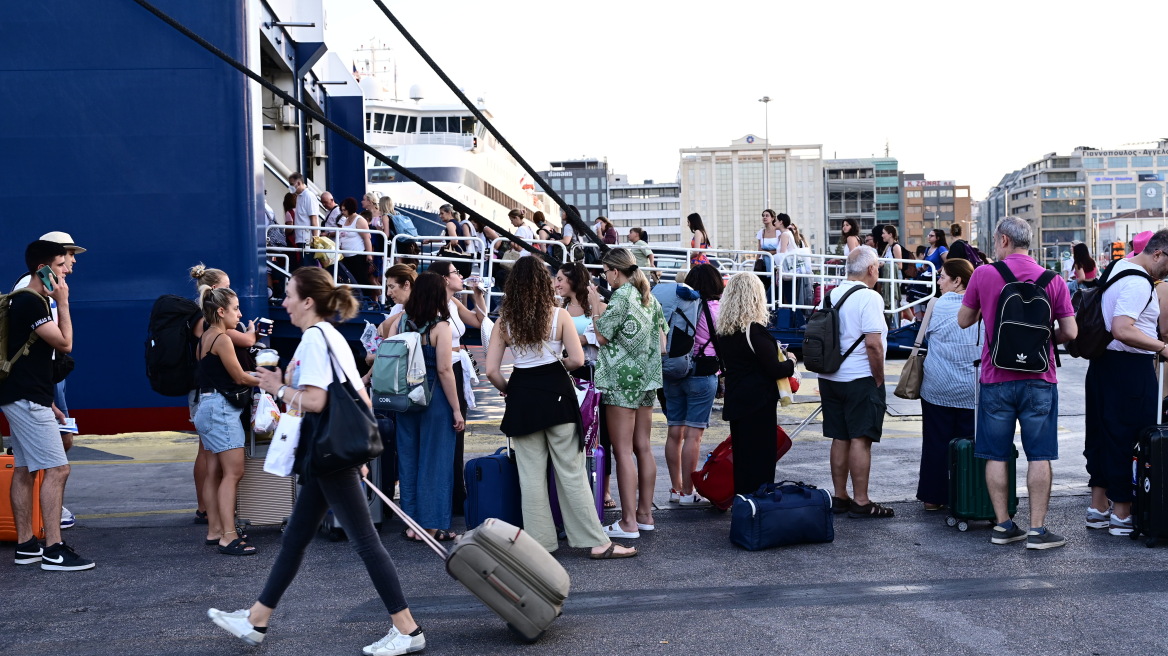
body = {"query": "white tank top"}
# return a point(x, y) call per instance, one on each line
point(457, 327)
point(545, 353)
point(349, 241)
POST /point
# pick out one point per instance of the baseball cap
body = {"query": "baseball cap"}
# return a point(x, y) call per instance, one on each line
point(1139, 242)
point(65, 240)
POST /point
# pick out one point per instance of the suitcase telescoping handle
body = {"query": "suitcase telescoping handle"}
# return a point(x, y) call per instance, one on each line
point(414, 526)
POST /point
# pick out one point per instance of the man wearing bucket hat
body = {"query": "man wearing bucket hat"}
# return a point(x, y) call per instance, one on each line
point(61, 409)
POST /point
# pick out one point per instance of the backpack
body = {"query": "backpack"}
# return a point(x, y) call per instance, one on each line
point(170, 353)
point(679, 343)
point(1094, 336)
point(399, 371)
point(969, 252)
point(821, 337)
point(6, 363)
point(1022, 332)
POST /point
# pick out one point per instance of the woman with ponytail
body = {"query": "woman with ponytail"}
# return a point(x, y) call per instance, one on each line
point(631, 334)
point(312, 303)
point(217, 375)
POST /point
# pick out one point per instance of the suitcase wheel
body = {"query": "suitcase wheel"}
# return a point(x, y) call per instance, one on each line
point(963, 526)
point(1150, 542)
point(951, 521)
point(515, 632)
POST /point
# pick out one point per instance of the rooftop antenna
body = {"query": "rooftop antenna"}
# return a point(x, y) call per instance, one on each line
point(886, 149)
point(373, 47)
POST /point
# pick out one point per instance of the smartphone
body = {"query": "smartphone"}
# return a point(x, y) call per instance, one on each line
point(48, 278)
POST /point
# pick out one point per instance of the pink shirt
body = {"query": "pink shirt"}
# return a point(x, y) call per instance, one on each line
point(982, 294)
point(702, 331)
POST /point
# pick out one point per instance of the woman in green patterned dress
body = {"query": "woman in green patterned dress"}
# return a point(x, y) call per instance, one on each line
point(631, 334)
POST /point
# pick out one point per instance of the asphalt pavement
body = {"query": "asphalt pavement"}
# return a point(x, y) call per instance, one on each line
point(907, 585)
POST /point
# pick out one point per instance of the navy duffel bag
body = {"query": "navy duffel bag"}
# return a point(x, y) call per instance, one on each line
point(781, 514)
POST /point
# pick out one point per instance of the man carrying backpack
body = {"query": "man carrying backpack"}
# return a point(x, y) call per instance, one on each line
point(1121, 384)
point(853, 395)
point(1020, 303)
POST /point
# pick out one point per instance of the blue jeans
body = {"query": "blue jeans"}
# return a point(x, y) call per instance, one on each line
point(1033, 404)
point(688, 401)
point(425, 451)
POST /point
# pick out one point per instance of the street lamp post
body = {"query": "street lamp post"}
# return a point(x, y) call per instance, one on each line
point(766, 163)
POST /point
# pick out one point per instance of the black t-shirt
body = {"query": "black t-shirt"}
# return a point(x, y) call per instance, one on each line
point(31, 378)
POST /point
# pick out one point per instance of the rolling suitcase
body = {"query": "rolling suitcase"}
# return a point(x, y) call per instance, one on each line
point(492, 489)
point(263, 499)
point(969, 498)
point(506, 569)
point(7, 520)
point(715, 480)
point(1149, 459)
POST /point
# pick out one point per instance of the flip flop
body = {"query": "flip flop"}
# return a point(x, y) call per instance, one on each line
point(610, 503)
point(610, 553)
point(442, 535)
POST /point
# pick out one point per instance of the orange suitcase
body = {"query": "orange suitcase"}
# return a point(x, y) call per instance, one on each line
point(7, 521)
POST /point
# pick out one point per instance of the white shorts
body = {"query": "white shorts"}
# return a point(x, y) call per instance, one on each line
point(36, 436)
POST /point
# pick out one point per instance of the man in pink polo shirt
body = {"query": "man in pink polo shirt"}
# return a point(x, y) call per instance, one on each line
point(1008, 398)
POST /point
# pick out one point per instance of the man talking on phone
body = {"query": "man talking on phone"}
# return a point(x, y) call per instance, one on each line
point(26, 397)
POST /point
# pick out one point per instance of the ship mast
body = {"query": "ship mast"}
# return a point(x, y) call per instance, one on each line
point(373, 47)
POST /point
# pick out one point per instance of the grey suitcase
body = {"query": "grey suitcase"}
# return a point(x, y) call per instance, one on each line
point(506, 569)
point(263, 499)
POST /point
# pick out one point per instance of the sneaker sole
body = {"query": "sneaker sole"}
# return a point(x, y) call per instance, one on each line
point(65, 526)
point(30, 560)
point(66, 568)
point(230, 629)
point(1007, 540)
point(410, 650)
point(1045, 545)
point(1120, 531)
point(1099, 524)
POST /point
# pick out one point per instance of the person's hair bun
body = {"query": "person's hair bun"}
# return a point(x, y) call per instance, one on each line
point(198, 270)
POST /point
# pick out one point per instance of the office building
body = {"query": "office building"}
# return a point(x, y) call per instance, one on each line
point(1120, 182)
point(1051, 195)
point(580, 182)
point(1122, 227)
point(865, 189)
point(727, 186)
point(931, 204)
point(654, 206)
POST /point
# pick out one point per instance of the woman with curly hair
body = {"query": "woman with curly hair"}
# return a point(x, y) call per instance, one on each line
point(542, 414)
point(750, 357)
point(631, 334)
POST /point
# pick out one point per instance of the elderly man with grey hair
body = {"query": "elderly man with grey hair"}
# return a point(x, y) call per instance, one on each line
point(1015, 393)
point(853, 396)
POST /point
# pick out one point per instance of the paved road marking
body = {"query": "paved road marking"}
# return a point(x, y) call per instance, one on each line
point(129, 462)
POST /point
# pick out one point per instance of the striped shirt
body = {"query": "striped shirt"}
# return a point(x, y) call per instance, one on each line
point(949, 374)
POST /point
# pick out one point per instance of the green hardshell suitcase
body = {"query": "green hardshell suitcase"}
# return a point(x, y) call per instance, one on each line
point(969, 499)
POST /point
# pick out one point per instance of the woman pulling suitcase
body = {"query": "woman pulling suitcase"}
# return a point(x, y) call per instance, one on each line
point(312, 302)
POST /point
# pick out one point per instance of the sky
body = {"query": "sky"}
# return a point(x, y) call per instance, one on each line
point(958, 90)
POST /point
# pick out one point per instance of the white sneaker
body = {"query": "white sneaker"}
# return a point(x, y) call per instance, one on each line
point(1119, 526)
point(236, 624)
point(1098, 519)
point(394, 643)
point(674, 496)
point(691, 499)
point(67, 518)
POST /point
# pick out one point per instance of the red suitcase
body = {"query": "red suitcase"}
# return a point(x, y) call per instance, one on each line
point(7, 521)
point(715, 480)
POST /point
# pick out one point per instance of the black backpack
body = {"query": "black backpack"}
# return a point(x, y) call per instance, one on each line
point(821, 337)
point(170, 353)
point(1024, 326)
point(1094, 336)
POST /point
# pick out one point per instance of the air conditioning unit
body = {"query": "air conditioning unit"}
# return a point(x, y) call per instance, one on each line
point(288, 115)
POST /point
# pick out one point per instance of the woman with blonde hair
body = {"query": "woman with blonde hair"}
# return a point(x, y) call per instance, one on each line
point(752, 368)
point(542, 414)
point(313, 302)
point(402, 224)
point(631, 334)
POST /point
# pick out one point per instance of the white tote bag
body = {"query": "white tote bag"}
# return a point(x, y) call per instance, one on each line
point(282, 451)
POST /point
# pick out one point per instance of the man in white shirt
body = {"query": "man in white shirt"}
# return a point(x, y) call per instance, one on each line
point(522, 230)
point(1121, 386)
point(853, 396)
point(332, 209)
point(306, 212)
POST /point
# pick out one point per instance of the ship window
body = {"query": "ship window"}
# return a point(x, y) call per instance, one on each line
point(368, 118)
point(468, 125)
point(427, 124)
point(413, 126)
point(454, 124)
point(377, 118)
point(439, 123)
point(389, 121)
point(401, 122)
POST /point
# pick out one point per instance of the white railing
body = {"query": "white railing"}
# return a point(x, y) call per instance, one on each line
point(825, 270)
point(338, 253)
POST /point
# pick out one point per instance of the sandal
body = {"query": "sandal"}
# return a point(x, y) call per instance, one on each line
point(442, 535)
point(870, 509)
point(237, 548)
point(610, 553)
point(406, 533)
point(610, 503)
point(200, 517)
point(840, 506)
point(210, 542)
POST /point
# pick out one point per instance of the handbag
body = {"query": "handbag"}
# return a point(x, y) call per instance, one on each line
point(909, 385)
point(63, 365)
point(344, 434)
point(782, 514)
point(589, 399)
point(282, 451)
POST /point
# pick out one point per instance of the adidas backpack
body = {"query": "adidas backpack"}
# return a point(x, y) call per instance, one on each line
point(170, 353)
point(821, 337)
point(1094, 336)
point(1024, 326)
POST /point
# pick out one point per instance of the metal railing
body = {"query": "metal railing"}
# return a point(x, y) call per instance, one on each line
point(827, 269)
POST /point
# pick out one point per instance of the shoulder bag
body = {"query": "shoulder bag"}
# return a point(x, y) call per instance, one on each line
point(909, 385)
point(344, 434)
point(707, 365)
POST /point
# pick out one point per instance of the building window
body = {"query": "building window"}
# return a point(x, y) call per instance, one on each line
point(1062, 176)
point(1062, 192)
point(1117, 162)
point(930, 193)
point(1052, 206)
point(1101, 190)
point(593, 198)
point(569, 184)
point(594, 183)
point(913, 209)
point(946, 209)
point(1064, 221)
point(1092, 162)
point(945, 193)
point(1125, 189)
point(555, 184)
point(570, 198)
point(912, 194)
point(1125, 203)
point(1101, 203)
point(1141, 161)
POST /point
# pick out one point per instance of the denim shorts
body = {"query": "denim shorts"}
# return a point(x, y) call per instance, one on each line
point(1032, 404)
point(688, 401)
point(219, 423)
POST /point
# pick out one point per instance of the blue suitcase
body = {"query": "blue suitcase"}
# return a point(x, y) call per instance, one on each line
point(781, 514)
point(492, 489)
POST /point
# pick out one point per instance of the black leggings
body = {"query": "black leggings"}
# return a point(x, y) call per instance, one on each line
point(753, 440)
point(342, 492)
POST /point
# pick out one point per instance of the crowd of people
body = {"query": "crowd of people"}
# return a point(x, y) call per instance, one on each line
point(612, 331)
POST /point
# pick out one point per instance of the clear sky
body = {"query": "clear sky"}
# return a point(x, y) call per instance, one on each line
point(960, 90)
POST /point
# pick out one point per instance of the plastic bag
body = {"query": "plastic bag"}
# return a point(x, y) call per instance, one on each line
point(265, 414)
point(282, 451)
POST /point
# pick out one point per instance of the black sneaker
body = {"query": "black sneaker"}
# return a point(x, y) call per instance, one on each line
point(1006, 536)
point(1043, 540)
point(60, 557)
point(29, 553)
